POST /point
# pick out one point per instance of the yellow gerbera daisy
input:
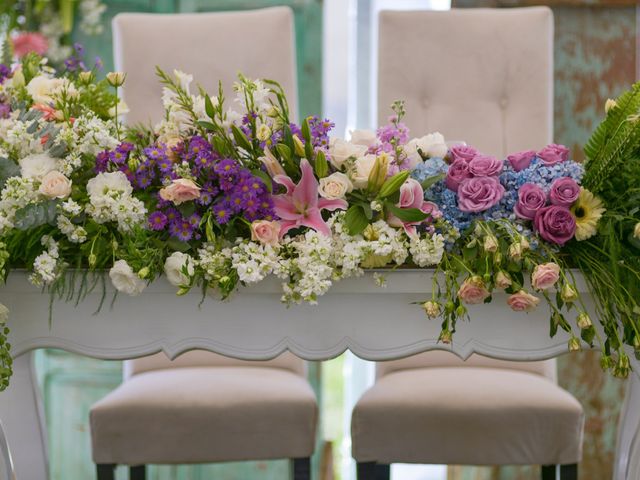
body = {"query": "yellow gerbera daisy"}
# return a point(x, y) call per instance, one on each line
point(588, 209)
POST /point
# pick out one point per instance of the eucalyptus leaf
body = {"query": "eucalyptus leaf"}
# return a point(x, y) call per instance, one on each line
point(36, 214)
point(8, 168)
point(58, 150)
point(33, 126)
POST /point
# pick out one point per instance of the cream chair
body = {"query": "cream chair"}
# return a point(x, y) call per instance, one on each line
point(483, 76)
point(203, 407)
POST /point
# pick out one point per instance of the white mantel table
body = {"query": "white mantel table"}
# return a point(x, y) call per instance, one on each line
point(374, 323)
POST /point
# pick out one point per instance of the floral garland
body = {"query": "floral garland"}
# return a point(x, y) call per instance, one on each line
point(221, 194)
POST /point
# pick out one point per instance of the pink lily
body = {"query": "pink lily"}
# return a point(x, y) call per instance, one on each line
point(300, 206)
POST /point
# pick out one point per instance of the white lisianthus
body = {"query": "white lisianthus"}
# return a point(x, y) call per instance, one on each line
point(431, 145)
point(42, 88)
point(340, 150)
point(361, 170)
point(335, 186)
point(106, 184)
point(125, 280)
point(36, 166)
point(173, 269)
point(363, 137)
point(116, 79)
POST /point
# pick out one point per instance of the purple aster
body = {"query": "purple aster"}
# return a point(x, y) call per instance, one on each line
point(164, 164)
point(182, 230)
point(157, 221)
point(5, 72)
point(5, 110)
point(156, 152)
point(194, 220)
point(173, 215)
point(102, 160)
point(222, 213)
point(226, 168)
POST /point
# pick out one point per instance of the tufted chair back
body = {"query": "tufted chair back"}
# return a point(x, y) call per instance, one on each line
point(210, 46)
point(483, 76)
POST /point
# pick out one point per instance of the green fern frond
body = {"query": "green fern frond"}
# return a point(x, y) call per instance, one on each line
point(613, 140)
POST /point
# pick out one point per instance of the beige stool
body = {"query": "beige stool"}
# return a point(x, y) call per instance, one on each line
point(484, 76)
point(204, 408)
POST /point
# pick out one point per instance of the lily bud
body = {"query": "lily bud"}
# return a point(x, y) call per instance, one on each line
point(298, 146)
point(378, 173)
point(584, 321)
point(490, 243)
point(116, 79)
point(431, 308)
point(574, 344)
point(568, 293)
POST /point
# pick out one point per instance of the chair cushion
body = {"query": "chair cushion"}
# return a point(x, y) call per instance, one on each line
point(467, 416)
point(205, 414)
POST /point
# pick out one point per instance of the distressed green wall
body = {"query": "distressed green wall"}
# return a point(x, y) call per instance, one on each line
point(595, 59)
point(70, 383)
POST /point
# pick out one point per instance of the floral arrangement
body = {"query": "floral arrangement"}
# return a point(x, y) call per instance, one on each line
point(225, 193)
point(44, 27)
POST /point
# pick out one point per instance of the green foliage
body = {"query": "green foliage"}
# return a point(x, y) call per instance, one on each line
point(393, 184)
point(8, 168)
point(36, 214)
point(356, 220)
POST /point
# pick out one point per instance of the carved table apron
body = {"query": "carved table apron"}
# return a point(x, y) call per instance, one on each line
point(374, 323)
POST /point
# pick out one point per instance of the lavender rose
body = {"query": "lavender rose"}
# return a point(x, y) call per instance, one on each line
point(521, 160)
point(479, 193)
point(531, 198)
point(458, 171)
point(555, 224)
point(564, 191)
point(462, 152)
point(552, 154)
point(485, 166)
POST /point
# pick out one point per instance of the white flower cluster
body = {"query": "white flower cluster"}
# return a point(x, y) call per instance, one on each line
point(19, 141)
point(254, 261)
point(46, 266)
point(88, 135)
point(110, 200)
point(17, 193)
point(75, 233)
point(427, 251)
point(215, 264)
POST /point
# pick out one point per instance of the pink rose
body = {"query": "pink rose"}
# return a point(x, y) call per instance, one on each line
point(55, 185)
point(180, 190)
point(521, 160)
point(552, 154)
point(531, 198)
point(479, 194)
point(485, 166)
point(458, 171)
point(555, 224)
point(522, 301)
point(564, 191)
point(462, 152)
point(545, 275)
point(265, 232)
point(473, 291)
point(28, 42)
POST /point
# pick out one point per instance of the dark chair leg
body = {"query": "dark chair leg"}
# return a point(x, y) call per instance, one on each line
point(302, 468)
point(548, 472)
point(569, 472)
point(105, 471)
point(373, 471)
point(139, 472)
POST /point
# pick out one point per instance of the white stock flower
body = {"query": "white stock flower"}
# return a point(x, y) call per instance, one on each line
point(125, 280)
point(173, 269)
point(427, 251)
point(36, 166)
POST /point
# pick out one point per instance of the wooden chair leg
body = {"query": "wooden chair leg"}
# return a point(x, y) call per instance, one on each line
point(569, 472)
point(138, 472)
point(105, 471)
point(302, 468)
point(373, 471)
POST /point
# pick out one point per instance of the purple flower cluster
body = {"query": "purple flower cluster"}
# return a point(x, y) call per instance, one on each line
point(5, 72)
point(75, 61)
point(389, 136)
point(5, 107)
point(320, 132)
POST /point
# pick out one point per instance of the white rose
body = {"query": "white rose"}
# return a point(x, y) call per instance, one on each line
point(37, 165)
point(336, 185)
point(362, 169)
point(432, 145)
point(125, 280)
point(55, 185)
point(363, 137)
point(340, 150)
point(173, 268)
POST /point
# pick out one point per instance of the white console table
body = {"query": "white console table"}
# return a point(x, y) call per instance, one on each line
point(374, 323)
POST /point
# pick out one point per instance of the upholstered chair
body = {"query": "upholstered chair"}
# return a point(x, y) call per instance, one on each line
point(204, 407)
point(485, 77)
point(210, 46)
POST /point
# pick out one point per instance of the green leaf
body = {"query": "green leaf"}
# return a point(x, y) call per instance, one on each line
point(208, 107)
point(178, 245)
point(321, 166)
point(8, 169)
point(265, 178)
point(306, 131)
point(553, 325)
point(284, 151)
point(429, 182)
point(469, 253)
point(588, 334)
point(36, 214)
point(240, 138)
point(220, 146)
point(187, 209)
point(206, 125)
point(393, 184)
point(407, 214)
point(355, 220)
